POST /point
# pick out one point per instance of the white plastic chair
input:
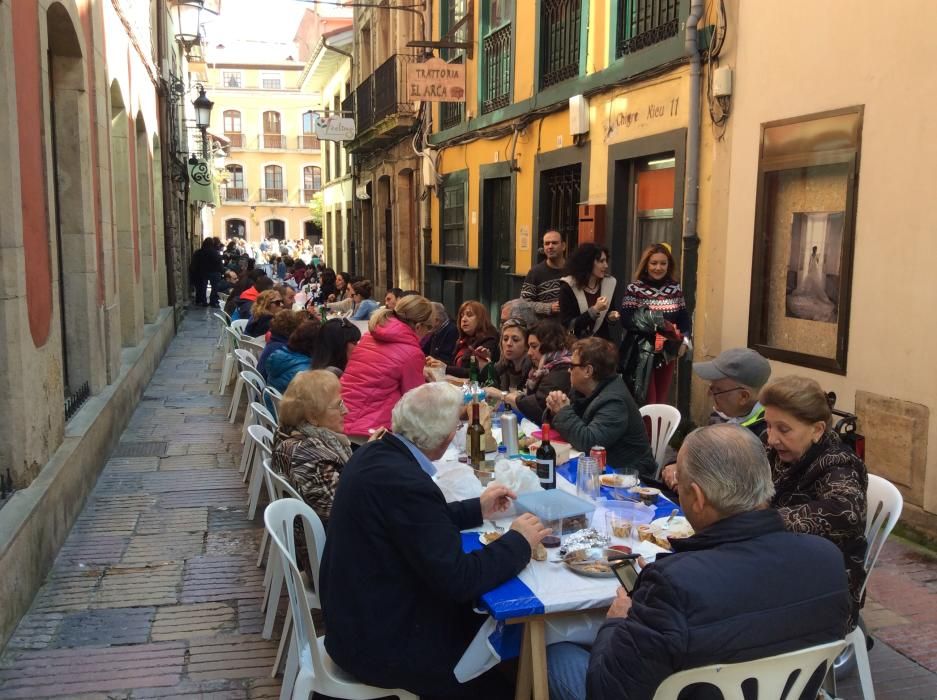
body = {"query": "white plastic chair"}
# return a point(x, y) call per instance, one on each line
point(883, 508)
point(263, 449)
point(240, 325)
point(665, 420)
point(255, 345)
point(246, 361)
point(223, 322)
point(257, 414)
point(316, 671)
point(275, 397)
point(229, 369)
point(772, 674)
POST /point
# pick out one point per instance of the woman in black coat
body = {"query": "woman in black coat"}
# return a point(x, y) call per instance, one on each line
point(589, 296)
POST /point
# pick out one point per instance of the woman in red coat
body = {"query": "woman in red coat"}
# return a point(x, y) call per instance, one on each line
point(387, 363)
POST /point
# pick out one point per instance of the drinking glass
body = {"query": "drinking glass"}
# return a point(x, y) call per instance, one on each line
point(618, 523)
point(587, 478)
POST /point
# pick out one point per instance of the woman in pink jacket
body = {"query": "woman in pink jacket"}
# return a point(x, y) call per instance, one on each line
point(387, 363)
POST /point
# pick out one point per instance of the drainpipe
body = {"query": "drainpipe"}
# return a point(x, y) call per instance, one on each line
point(690, 236)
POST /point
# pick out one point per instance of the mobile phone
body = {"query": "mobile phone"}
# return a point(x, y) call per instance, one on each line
point(626, 573)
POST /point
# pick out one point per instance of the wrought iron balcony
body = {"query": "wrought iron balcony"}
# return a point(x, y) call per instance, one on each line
point(309, 142)
point(560, 26)
point(234, 194)
point(273, 195)
point(364, 97)
point(308, 195)
point(643, 23)
point(274, 141)
point(496, 62)
point(390, 87)
point(236, 138)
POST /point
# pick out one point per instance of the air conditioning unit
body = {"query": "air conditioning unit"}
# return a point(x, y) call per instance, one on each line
point(578, 115)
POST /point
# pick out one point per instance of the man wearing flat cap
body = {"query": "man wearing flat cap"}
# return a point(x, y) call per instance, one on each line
point(735, 378)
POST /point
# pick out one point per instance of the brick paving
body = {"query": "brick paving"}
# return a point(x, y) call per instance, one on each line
point(156, 592)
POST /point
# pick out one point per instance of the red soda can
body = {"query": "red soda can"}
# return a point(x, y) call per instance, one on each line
point(599, 455)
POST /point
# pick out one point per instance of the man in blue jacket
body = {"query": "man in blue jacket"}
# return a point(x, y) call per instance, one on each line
point(397, 589)
point(741, 588)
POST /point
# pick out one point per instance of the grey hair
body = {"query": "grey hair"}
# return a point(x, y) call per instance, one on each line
point(521, 310)
point(730, 466)
point(428, 414)
point(440, 311)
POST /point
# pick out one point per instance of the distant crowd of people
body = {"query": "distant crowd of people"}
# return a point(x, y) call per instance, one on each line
point(769, 488)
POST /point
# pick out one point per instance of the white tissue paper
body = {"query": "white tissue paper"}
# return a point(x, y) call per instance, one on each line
point(516, 476)
point(458, 483)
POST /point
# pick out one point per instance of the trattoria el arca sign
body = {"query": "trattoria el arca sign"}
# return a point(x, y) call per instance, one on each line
point(435, 80)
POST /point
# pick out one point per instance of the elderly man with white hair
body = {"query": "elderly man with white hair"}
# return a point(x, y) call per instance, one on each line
point(741, 588)
point(397, 589)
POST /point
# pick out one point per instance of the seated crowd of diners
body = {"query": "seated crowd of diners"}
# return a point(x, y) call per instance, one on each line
point(768, 487)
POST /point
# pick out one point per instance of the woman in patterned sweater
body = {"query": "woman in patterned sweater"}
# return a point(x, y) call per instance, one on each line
point(309, 449)
point(820, 484)
point(657, 325)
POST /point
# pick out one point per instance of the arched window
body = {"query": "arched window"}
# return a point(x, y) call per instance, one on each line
point(273, 138)
point(275, 228)
point(235, 228)
point(312, 181)
point(232, 127)
point(308, 140)
point(234, 190)
point(273, 184)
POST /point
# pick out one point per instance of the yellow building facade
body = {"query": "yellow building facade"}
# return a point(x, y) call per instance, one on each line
point(273, 168)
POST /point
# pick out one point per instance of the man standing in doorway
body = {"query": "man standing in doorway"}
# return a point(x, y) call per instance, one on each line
point(542, 283)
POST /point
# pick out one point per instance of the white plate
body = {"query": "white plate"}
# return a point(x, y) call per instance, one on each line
point(659, 526)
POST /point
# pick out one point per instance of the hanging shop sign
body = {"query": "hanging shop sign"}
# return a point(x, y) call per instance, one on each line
point(200, 182)
point(434, 80)
point(334, 128)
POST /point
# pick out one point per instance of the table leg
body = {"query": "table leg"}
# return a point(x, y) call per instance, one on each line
point(522, 689)
point(538, 657)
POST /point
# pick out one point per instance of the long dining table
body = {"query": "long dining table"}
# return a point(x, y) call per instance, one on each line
point(545, 603)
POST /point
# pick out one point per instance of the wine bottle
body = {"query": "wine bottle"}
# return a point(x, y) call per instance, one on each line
point(546, 460)
point(475, 433)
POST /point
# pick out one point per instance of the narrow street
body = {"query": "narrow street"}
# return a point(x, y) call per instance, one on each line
point(156, 592)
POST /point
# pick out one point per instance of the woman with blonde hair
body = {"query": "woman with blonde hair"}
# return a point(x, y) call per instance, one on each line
point(386, 364)
point(268, 304)
point(819, 483)
point(309, 448)
point(657, 325)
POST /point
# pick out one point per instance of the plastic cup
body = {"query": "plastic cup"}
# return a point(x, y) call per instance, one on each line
point(618, 524)
point(439, 373)
point(587, 478)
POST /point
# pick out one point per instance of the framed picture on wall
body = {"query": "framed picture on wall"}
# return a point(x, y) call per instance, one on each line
point(804, 239)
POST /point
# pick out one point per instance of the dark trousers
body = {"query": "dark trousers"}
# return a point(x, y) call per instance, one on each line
point(200, 291)
point(218, 284)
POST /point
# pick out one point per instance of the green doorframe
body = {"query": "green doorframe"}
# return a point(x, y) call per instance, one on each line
point(488, 172)
point(569, 155)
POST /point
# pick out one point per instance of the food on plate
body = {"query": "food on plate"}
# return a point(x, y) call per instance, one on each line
point(621, 528)
point(594, 567)
point(647, 494)
point(660, 532)
point(618, 481)
point(490, 536)
point(539, 553)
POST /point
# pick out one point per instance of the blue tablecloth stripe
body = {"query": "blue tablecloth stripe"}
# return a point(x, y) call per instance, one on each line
point(512, 598)
point(664, 505)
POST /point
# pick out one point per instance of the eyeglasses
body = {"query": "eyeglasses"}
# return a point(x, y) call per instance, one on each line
point(278, 302)
point(724, 391)
point(340, 406)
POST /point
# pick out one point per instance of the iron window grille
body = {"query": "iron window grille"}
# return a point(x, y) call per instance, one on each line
point(643, 23)
point(560, 191)
point(496, 59)
point(560, 36)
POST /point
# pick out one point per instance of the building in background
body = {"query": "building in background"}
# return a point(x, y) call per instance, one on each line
point(328, 73)
point(388, 183)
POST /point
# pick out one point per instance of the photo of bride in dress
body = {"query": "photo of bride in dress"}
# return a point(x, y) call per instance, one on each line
point(814, 267)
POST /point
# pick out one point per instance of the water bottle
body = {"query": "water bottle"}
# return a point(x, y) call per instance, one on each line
point(509, 433)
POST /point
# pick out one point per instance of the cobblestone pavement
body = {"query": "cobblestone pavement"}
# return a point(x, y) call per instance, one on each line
point(156, 592)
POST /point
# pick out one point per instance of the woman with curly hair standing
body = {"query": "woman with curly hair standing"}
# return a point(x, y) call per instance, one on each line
point(820, 484)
